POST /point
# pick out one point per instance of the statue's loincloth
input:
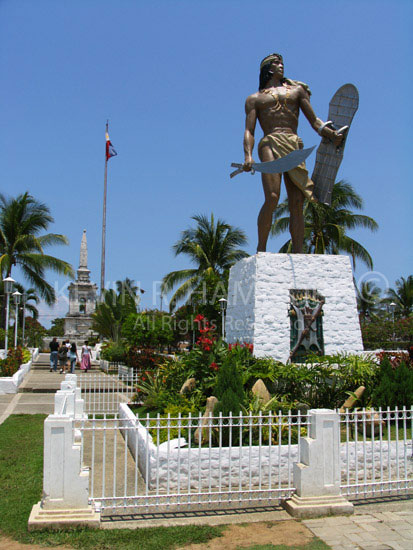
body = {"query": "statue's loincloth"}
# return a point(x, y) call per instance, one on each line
point(281, 144)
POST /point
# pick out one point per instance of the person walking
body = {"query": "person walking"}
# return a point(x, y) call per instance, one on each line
point(62, 356)
point(73, 357)
point(54, 348)
point(86, 356)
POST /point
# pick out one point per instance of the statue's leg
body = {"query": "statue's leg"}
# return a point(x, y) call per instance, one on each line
point(295, 205)
point(271, 184)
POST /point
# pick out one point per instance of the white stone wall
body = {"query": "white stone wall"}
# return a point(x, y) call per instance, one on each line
point(259, 301)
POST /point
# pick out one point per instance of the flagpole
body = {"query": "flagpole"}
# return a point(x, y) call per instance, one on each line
point(105, 190)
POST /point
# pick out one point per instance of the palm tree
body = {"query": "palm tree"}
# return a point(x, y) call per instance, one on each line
point(213, 248)
point(368, 299)
point(113, 309)
point(402, 296)
point(326, 226)
point(21, 220)
point(31, 296)
point(130, 291)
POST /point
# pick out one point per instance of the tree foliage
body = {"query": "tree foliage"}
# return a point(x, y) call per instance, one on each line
point(57, 327)
point(402, 296)
point(326, 226)
point(212, 246)
point(148, 329)
point(368, 300)
point(114, 308)
point(22, 219)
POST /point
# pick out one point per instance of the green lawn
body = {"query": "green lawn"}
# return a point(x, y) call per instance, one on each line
point(21, 470)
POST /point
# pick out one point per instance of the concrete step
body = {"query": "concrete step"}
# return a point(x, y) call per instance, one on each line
point(46, 368)
point(41, 388)
point(30, 403)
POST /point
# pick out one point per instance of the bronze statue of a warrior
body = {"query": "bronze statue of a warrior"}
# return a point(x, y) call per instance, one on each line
point(276, 105)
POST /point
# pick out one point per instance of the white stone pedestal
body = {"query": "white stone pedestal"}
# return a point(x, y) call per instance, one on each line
point(259, 301)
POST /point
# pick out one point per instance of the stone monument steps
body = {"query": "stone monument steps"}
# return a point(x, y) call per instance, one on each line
point(46, 367)
point(43, 364)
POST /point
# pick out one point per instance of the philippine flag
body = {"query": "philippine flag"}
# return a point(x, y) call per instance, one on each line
point(110, 151)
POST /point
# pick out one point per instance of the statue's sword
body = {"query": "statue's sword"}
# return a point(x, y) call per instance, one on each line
point(277, 166)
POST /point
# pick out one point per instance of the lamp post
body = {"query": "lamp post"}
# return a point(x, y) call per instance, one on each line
point(8, 289)
point(193, 326)
point(392, 309)
point(24, 300)
point(223, 306)
point(16, 298)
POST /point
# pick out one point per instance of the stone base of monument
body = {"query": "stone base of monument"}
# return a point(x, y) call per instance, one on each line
point(42, 518)
point(261, 292)
point(314, 507)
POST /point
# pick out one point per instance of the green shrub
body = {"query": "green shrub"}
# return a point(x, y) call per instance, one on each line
point(159, 428)
point(113, 352)
point(229, 389)
point(395, 386)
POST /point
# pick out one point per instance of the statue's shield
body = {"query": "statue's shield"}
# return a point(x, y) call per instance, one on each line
point(342, 109)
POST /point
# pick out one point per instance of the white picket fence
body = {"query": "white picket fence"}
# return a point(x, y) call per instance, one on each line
point(139, 465)
point(104, 393)
point(146, 464)
point(377, 453)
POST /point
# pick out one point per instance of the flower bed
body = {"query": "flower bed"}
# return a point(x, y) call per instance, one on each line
point(10, 384)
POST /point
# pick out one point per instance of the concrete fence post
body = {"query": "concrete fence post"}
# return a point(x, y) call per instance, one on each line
point(70, 383)
point(317, 474)
point(65, 481)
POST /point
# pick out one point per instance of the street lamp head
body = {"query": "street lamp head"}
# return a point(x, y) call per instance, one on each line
point(222, 303)
point(8, 285)
point(16, 297)
point(393, 305)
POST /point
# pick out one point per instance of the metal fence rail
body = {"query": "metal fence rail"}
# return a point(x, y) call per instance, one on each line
point(104, 393)
point(167, 464)
point(377, 454)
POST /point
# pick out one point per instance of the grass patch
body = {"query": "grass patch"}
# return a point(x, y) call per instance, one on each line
point(315, 544)
point(21, 474)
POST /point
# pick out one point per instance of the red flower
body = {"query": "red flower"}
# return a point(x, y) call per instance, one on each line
point(214, 366)
point(199, 318)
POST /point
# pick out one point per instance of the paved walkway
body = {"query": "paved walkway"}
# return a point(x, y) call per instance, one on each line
point(36, 393)
point(374, 526)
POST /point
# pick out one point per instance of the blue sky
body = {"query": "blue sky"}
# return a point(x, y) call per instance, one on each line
point(172, 77)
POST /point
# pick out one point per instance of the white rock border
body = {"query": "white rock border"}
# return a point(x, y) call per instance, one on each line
point(159, 466)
